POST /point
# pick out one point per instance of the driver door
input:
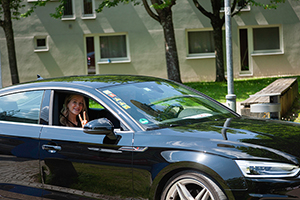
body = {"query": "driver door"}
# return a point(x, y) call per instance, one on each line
point(77, 165)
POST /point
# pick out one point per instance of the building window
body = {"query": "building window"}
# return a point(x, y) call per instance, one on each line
point(258, 41)
point(88, 9)
point(266, 39)
point(240, 4)
point(106, 49)
point(244, 50)
point(40, 43)
point(200, 43)
point(68, 10)
point(113, 47)
point(90, 55)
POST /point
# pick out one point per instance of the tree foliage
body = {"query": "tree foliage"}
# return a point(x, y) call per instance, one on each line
point(10, 9)
point(58, 13)
point(217, 20)
point(161, 11)
point(15, 6)
point(113, 3)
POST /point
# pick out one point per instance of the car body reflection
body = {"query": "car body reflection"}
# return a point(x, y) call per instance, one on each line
point(147, 138)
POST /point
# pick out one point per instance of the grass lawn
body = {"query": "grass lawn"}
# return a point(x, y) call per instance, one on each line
point(242, 89)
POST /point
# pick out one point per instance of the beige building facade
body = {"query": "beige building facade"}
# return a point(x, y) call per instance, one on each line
point(125, 40)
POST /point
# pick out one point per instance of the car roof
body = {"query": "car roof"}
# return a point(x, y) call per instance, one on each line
point(98, 81)
point(85, 82)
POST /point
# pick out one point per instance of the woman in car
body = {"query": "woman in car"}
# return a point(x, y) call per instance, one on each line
point(74, 107)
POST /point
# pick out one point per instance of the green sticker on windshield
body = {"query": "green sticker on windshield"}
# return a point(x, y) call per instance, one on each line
point(144, 121)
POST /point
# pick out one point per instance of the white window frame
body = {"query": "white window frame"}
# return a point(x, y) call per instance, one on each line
point(70, 17)
point(266, 52)
point(113, 60)
point(252, 53)
point(88, 16)
point(197, 55)
point(102, 61)
point(247, 8)
point(40, 48)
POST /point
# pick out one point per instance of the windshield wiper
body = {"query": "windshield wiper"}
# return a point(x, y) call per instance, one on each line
point(145, 107)
point(161, 127)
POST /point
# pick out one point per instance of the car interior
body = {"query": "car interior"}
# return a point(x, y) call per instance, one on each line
point(93, 113)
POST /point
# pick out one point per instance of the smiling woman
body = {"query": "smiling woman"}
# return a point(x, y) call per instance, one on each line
point(74, 107)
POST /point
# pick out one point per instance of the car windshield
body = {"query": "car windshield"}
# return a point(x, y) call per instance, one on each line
point(162, 104)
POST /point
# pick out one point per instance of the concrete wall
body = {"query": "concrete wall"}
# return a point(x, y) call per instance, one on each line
point(67, 54)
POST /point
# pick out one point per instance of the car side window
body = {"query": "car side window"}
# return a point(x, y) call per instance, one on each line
point(97, 111)
point(94, 110)
point(21, 107)
point(44, 116)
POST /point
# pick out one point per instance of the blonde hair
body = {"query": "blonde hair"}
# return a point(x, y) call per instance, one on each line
point(65, 111)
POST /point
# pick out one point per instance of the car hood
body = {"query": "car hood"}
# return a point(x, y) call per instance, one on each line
point(239, 138)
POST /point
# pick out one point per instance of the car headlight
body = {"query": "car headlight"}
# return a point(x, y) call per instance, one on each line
point(261, 169)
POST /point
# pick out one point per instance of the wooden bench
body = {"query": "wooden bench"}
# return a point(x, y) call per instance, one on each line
point(276, 99)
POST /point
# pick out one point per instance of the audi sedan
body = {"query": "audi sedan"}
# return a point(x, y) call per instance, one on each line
point(146, 138)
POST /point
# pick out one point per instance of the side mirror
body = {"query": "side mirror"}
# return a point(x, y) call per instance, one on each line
point(100, 126)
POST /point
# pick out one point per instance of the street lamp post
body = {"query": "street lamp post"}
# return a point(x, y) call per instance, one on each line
point(230, 97)
point(0, 73)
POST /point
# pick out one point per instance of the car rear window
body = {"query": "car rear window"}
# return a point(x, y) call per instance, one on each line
point(21, 107)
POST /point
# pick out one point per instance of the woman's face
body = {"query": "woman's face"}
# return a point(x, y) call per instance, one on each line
point(75, 106)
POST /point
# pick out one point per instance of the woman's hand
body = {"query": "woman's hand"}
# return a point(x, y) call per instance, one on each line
point(84, 121)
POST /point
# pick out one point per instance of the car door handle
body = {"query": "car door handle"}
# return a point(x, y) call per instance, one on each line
point(133, 149)
point(51, 148)
point(104, 150)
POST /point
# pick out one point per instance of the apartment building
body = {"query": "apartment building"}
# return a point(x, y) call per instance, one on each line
point(126, 40)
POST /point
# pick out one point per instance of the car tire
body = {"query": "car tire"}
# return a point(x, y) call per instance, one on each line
point(192, 185)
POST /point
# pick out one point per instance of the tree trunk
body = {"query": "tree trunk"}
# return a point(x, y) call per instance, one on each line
point(217, 24)
point(9, 35)
point(170, 47)
point(218, 41)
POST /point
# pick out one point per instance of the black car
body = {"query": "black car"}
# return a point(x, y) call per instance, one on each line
point(147, 138)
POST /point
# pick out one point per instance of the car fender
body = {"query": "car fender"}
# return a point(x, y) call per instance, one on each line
point(213, 166)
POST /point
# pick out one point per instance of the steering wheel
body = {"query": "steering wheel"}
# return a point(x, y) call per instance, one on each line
point(177, 105)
